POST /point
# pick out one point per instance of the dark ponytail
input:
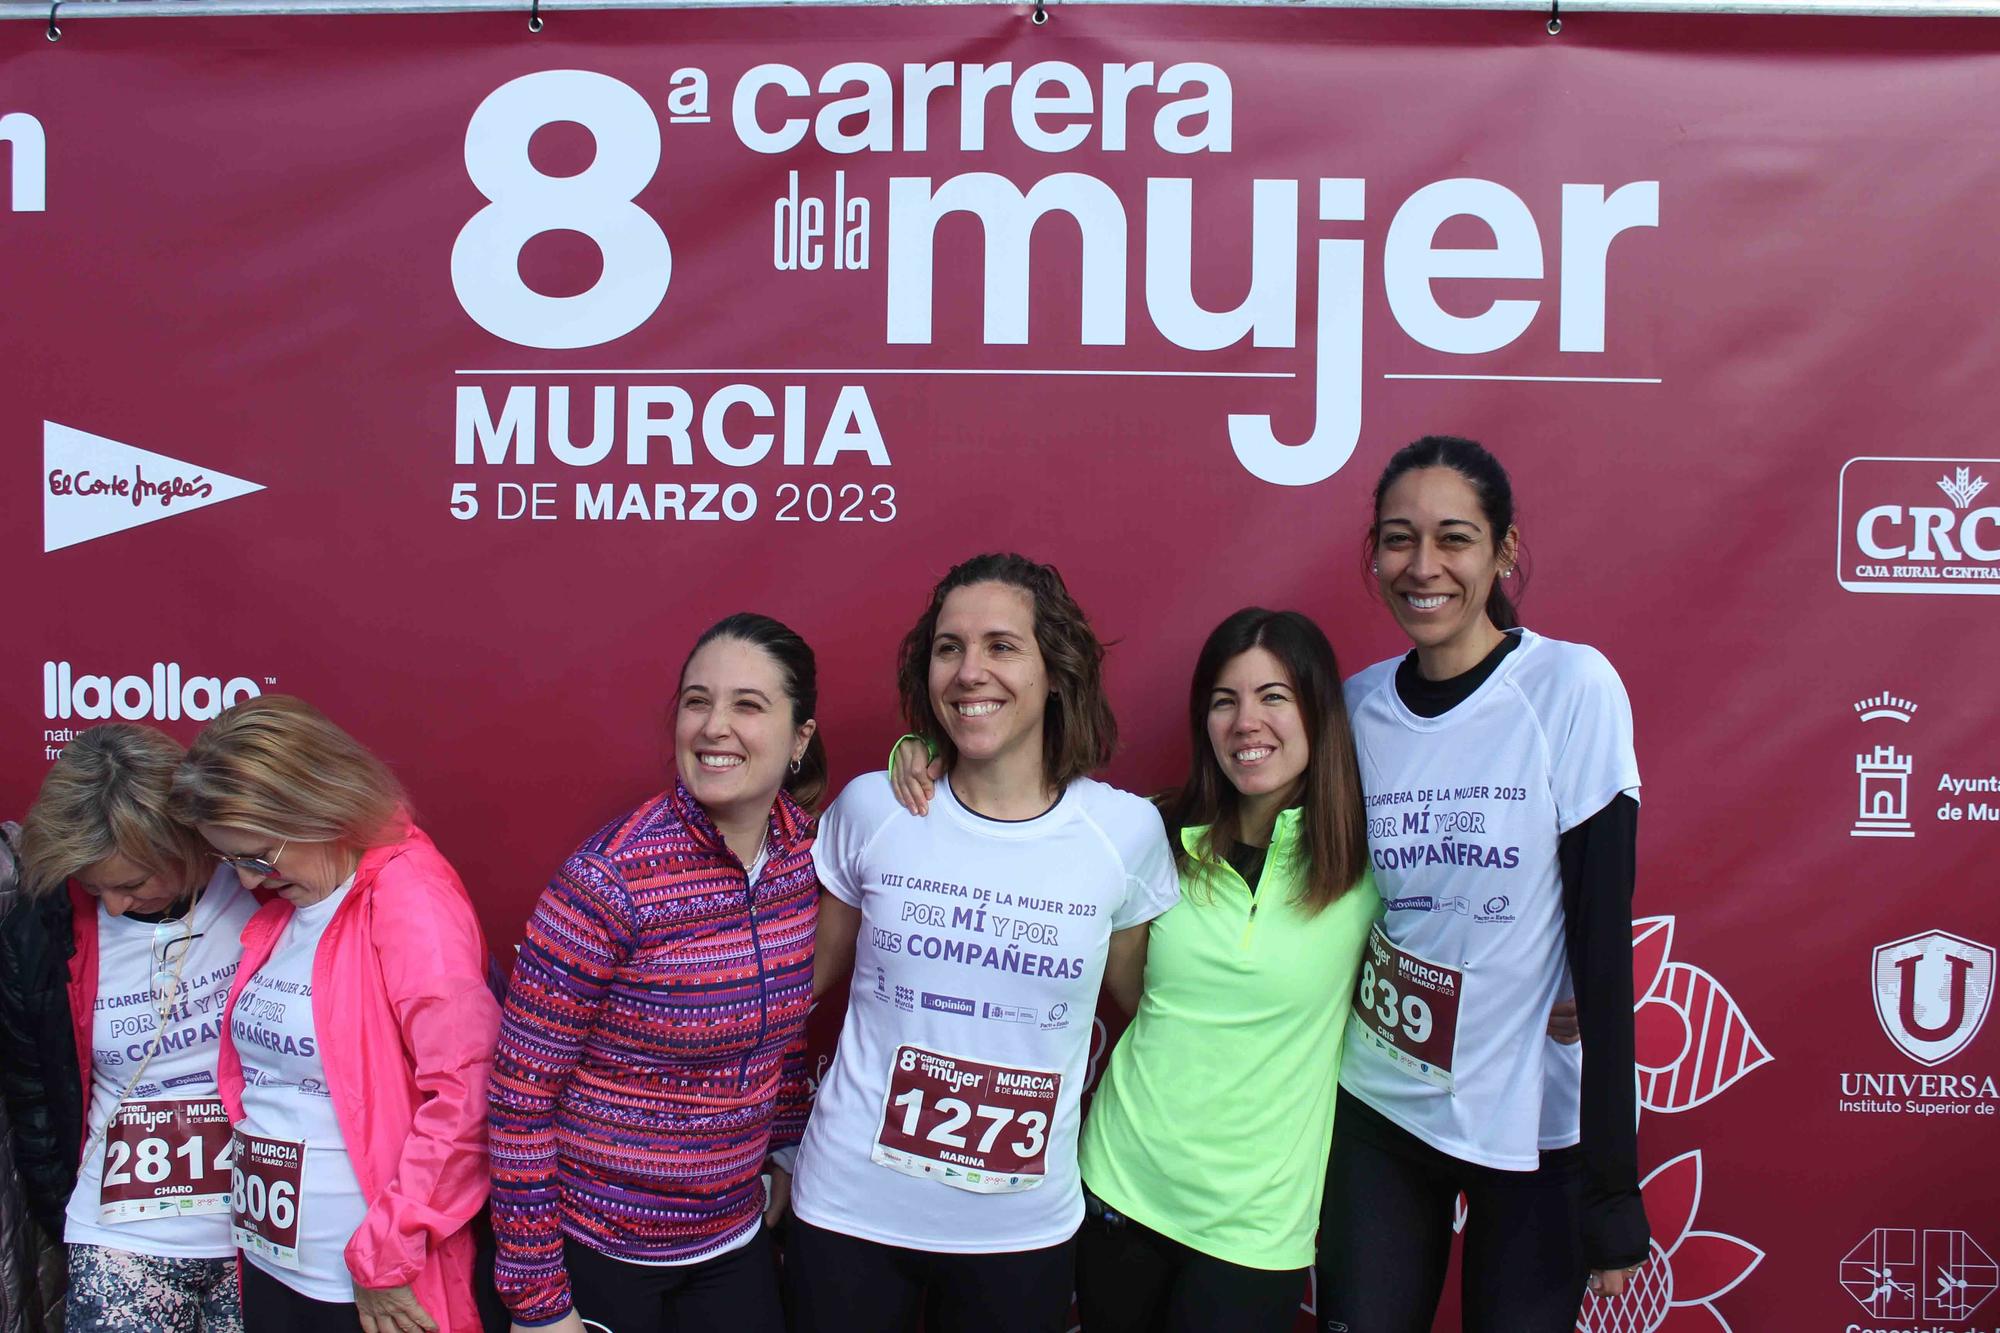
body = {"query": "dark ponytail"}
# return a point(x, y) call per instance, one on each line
point(806, 784)
point(1482, 472)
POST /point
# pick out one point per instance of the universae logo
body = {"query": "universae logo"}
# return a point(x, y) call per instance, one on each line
point(167, 694)
point(1896, 537)
point(1932, 992)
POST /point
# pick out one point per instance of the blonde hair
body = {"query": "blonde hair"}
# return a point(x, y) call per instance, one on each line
point(276, 765)
point(108, 795)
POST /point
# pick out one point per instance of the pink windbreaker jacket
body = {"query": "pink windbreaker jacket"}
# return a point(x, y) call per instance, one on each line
point(400, 969)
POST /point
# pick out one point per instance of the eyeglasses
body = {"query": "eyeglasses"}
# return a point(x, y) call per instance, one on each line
point(171, 944)
point(255, 865)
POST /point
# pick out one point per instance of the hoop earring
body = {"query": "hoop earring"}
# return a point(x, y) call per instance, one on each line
point(795, 765)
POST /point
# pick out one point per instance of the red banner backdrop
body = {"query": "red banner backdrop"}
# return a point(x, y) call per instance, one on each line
point(454, 378)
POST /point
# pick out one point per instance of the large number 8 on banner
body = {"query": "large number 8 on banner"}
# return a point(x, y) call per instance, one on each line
point(597, 201)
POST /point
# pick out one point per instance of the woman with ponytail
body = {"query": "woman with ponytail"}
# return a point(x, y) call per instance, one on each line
point(652, 1053)
point(1502, 793)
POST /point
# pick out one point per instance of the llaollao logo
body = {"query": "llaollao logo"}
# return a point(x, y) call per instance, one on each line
point(166, 693)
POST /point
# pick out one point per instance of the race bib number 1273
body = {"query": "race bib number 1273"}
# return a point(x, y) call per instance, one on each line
point(965, 1123)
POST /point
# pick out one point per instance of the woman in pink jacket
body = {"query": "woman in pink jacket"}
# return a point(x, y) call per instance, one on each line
point(359, 1034)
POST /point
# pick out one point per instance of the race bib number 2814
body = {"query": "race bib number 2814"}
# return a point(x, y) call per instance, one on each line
point(164, 1159)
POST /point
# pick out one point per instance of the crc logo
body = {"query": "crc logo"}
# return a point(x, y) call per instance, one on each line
point(1932, 992)
point(167, 695)
point(1913, 525)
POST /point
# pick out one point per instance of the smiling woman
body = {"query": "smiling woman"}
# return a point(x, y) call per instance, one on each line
point(653, 1049)
point(939, 1172)
point(1506, 879)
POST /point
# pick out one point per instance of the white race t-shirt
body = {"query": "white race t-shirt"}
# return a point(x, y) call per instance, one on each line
point(285, 1097)
point(136, 980)
point(949, 1118)
point(1464, 814)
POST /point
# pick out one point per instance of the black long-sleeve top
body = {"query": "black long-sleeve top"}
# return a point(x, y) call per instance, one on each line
point(1597, 861)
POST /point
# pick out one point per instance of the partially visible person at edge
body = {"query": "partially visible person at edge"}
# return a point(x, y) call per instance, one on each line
point(938, 1177)
point(653, 1050)
point(1205, 1148)
point(112, 976)
point(359, 1033)
point(1501, 766)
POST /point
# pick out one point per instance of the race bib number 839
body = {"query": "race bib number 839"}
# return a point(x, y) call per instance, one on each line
point(1407, 1008)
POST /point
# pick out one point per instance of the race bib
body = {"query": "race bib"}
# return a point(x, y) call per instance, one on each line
point(264, 1177)
point(966, 1124)
point(162, 1159)
point(1407, 1008)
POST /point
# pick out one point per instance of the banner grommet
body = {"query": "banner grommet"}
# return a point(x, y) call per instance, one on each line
point(54, 33)
point(534, 15)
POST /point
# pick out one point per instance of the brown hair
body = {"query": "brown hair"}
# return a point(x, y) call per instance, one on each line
point(1078, 731)
point(278, 766)
point(1334, 829)
point(107, 795)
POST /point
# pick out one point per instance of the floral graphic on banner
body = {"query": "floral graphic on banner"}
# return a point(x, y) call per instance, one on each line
point(1692, 1040)
point(1676, 1289)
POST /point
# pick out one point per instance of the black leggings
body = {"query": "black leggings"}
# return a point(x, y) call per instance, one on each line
point(269, 1306)
point(1131, 1279)
point(737, 1291)
point(842, 1284)
point(1385, 1235)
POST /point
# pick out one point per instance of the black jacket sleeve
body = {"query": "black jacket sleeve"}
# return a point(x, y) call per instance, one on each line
point(1597, 860)
point(38, 1064)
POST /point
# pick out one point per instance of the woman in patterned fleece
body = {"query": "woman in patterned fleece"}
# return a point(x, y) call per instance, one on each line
point(653, 1047)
